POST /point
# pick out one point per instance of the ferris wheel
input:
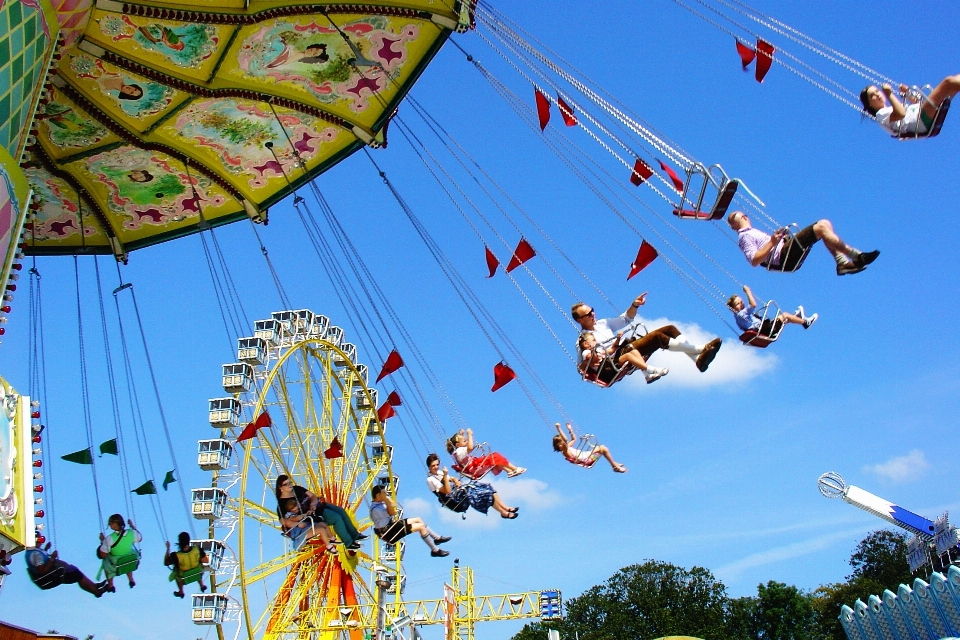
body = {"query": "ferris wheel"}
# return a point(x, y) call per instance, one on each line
point(324, 434)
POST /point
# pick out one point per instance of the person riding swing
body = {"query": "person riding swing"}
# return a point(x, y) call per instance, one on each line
point(186, 564)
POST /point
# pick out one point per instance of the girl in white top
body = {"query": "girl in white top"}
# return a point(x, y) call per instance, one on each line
point(897, 118)
point(479, 495)
point(582, 457)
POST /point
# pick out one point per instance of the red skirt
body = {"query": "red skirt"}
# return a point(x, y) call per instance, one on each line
point(479, 465)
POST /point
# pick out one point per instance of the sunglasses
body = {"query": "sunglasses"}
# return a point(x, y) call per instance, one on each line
point(584, 315)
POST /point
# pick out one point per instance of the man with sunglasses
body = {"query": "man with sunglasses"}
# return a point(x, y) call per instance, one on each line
point(667, 338)
point(783, 252)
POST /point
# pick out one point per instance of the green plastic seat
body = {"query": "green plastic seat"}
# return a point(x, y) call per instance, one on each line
point(127, 563)
point(192, 575)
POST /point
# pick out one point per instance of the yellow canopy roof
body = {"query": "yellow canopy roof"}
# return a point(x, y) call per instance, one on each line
point(160, 113)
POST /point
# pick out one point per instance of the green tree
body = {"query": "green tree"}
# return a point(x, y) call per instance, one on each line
point(642, 602)
point(882, 556)
point(879, 562)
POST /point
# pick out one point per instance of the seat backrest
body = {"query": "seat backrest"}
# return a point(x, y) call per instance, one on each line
point(935, 126)
point(754, 339)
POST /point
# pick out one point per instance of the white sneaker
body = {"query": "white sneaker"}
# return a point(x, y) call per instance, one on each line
point(653, 374)
point(799, 312)
point(808, 322)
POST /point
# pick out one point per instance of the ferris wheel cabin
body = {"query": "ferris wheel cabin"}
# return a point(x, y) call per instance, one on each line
point(209, 608)
point(366, 400)
point(350, 354)
point(237, 377)
point(208, 503)
point(334, 336)
point(252, 351)
point(214, 455)
point(224, 412)
point(215, 551)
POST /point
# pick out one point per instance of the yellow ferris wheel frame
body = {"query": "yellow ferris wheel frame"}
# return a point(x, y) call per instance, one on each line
point(318, 587)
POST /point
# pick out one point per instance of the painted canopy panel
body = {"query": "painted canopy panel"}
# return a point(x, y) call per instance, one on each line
point(158, 116)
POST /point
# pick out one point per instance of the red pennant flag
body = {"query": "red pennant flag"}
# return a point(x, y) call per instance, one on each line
point(394, 399)
point(543, 109)
point(764, 58)
point(335, 450)
point(385, 411)
point(393, 362)
point(502, 374)
point(492, 262)
point(746, 54)
point(674, 178)
point(645, 256)
point(567, 112)
point(641, 172)
point(523, 253)
point(262, 421)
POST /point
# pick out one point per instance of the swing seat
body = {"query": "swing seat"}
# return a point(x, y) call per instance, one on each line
point(720, 206)
point(758, 338)
point(127, 563)
point(192, 575)
point(934, 128)
point(754, 339)
point(50, 580)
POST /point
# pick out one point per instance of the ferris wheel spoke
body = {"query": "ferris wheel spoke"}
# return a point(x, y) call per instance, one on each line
point(260, 514)
point(270, 567)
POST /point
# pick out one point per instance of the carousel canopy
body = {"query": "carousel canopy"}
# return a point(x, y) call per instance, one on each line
point(161, 117)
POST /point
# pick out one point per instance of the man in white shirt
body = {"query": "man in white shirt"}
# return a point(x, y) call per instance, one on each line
point(781, 252)
point(667, 338)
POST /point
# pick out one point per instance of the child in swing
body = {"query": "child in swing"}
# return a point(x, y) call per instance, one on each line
point(584, 457)
point(114, 546)
point(913, 118)
point(592, 356)
point(461, 445)
point(748, 320)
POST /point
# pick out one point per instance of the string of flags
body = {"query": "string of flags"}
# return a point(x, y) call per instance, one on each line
point(763, 54)
point(109, 447)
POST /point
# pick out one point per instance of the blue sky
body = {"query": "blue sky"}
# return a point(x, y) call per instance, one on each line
point(723, 466)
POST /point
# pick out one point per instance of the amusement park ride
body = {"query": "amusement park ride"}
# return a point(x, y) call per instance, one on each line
point(325, 435)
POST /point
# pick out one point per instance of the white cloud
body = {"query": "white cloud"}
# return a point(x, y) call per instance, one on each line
point(902, 469)
point(527, 492)
point(417, 507)
point(733, 570)
point(735, 362)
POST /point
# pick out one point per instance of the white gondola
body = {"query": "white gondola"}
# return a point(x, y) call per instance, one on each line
point(237, 377)
point(366, 402)
point(214, 455)
point(362, 373)
point(385, 481)
point(209, 608)
point(304, 321)
point(215, 551)
point(388, 552)
point(252, 350)
point(334, 335)
point(318, 330)
point(378, 452)
point(270, 330)
point(224, 412)
point(350, 351)
point(208, 503)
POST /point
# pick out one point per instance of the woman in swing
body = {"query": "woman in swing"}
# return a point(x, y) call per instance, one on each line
point(584, 456)
point(117, 545)
point(891, 114)
point(461, 445)
point(311, 505)
point(455, 496)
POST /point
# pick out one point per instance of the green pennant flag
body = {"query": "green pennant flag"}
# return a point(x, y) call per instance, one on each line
point(168, 479)
point(110, 446)
point(146, 489)
point(80, 457)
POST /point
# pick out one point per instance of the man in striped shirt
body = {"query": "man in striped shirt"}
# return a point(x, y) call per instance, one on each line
point(783, 252)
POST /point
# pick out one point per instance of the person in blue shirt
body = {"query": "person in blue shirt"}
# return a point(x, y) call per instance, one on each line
point(748, 320)
point(383, 511)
